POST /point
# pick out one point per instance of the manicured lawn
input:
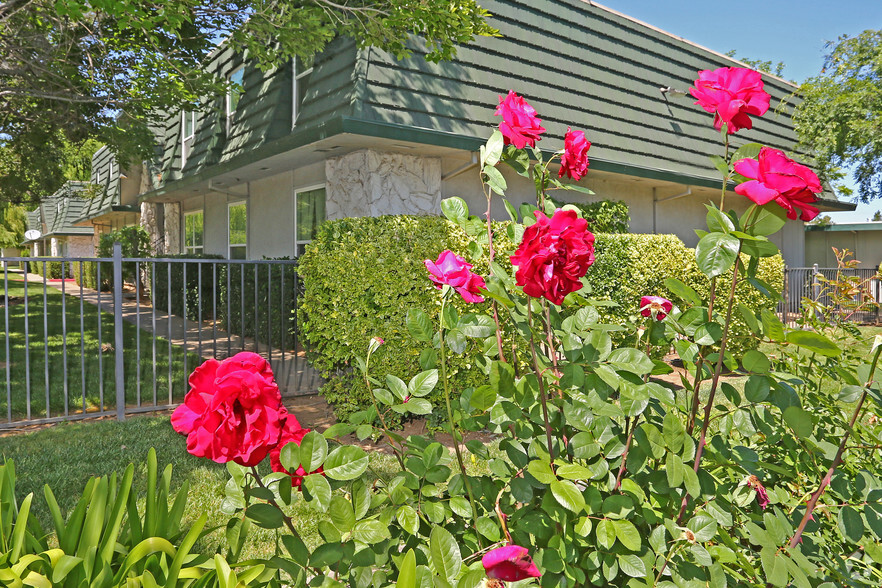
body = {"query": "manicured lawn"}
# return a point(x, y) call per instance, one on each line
point(80, 368)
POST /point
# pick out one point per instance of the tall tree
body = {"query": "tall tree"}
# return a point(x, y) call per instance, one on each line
point(840, 116)
point(13, 223)
point(77, 69)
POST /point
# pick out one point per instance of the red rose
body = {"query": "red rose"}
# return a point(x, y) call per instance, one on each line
point(292, 432)
point(452, 270)
point(553, 255)
point(731, 93)
point(233, 410)
point(509, 564)
point(655, 306)
point(574, 161)
point(519, 124)
point(774, 176)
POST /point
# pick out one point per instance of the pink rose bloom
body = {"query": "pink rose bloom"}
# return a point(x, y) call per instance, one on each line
point(774, 176)
point(574, 161)
point(519, 125)
point(233, 411)
point(292, 432)
point(553, 255)
point(509, 564)
point(731, 93)
point(454, 271)
point(762, 497)
point(655, 306)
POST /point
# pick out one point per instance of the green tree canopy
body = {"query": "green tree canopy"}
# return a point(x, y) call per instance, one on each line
point(840, 117)
point(13, 223)
point(77, 69)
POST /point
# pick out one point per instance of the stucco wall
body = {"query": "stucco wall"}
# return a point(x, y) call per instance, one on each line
point(271, 217)
point(372, 183)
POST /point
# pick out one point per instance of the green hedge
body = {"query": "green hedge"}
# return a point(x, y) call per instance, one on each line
point(88, 277)
point(52, 267)
point(361, 276)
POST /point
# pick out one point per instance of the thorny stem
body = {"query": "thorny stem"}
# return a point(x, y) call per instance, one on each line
point(631, 429)
point(542, 395)
point(552, 352)
point(699, 365)
point(456, 448)
point(491, 253)
point(389, 439)
point(665, 563)
point(813, 501)
point(716, 378)
point(726, 178)
point(501, 515)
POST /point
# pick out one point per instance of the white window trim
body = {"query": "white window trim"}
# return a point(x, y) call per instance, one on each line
point(201, 248)
point(247, 218)
point(295, 77)
point(230, 112)
point(184, 136)
point(298, 191)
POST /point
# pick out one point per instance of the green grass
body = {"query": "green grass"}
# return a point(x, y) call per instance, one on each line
point(90, 373)
point(65, 456)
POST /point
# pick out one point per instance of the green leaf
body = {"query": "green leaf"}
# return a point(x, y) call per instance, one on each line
point(512, 213)
point(721, 164)
point(418, 406)
point(814, 342)
point(397, 386)
point(483, 398)
point(757, 388)
point(606, 533)
point(756, 361)
point(407, 571)
point(569, 497)
point(313, 450)
point(342, 514)
point(747, 151)
point(708, 334)
point(680, 289)
point(631, 565)
point(419, 326)
point(850, 393)
point(749, 318)
point(850, 524)
point(319, 490)
point(764, 220)
point(632, 360)
point(492, 151)
point(773, 328)
point(495, 180)
point(718, 221)
point(370, 532)
point(674, 469)
point(408, 519)
point(799, 420)
point(326, 554)
point(774, 566)
point(628, 534)
point(703, 526)
point(455, 209)
point(346, 462)
point(423, 383)
point(446, 559)
point(716, 253)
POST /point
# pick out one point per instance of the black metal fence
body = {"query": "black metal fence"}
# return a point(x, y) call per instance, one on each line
point(811, 283)
point(123, 334)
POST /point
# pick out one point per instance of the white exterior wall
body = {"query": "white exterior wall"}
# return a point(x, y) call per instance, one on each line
point(373, 183)
point(865, 246)
point(271, 217)
point(54, 247)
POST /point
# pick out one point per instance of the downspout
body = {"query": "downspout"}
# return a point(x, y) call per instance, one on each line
point(461, 169)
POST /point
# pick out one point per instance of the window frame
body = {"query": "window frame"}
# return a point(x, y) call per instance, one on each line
point(184, 136)
point(296, 76)
point(229, 244)
point(297, 191)
point(200, 247)
point(231, 111)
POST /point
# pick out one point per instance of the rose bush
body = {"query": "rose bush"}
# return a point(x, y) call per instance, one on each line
point(775, 177)
point(732, 94)
point(452, 270)
point(574, 160)
point(519, 125)
point(752, 470)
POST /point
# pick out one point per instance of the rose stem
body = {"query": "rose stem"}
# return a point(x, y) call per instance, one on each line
point(630, 427)
point(699, 365)
point(813, 501)
point(491, 254)
point(271, 500)
point(716, 379)
point(542, 394)
point(389, 439)
point(456, 448)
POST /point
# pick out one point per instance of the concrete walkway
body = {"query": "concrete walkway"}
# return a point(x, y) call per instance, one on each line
point(293, 373)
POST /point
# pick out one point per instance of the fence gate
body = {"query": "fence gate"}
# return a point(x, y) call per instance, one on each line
point(88, 337)
point(807, 282)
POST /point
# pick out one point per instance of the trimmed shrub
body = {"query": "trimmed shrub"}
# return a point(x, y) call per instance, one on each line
point(52, 267)
point(361, 275)
point(134, 242)
point(88, 278)
point(603, 216)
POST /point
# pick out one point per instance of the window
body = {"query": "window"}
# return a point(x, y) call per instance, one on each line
point(188, 131)
point(238, 230)
point(302, 70)
point(98, 177)
point(193, 232)
point(309, 212)
point(237, 78)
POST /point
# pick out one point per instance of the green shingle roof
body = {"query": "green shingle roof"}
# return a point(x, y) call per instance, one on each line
point(56, 214)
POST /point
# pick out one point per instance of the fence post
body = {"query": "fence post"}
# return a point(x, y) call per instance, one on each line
point(118, 332)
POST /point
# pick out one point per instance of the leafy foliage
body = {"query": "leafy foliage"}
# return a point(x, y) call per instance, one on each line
point(840, 116)
point(13, 224)
point(603, 216)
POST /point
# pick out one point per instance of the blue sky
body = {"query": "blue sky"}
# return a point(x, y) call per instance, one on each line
point(791, 31)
